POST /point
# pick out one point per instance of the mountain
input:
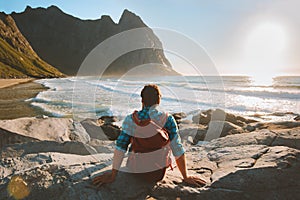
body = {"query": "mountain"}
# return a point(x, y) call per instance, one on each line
point(17, 58)
point(64, 41)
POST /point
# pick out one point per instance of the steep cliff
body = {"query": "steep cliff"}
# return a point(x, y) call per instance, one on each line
point(64, 41)
point(17, 58)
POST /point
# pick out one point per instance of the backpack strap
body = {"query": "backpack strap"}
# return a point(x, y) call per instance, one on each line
point(139, 122)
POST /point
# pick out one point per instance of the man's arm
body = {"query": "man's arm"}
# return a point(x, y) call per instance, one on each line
point(109, 177)
point(178, 152)
point(121, 147)
point(180, 161)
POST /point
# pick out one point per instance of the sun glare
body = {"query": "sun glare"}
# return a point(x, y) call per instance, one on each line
point(265, 52)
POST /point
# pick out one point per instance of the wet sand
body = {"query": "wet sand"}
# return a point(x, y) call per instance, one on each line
point(12, 99)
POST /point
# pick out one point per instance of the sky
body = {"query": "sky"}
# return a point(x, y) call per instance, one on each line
point(248, 37)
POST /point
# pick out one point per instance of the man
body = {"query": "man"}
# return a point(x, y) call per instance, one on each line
point(151, 96)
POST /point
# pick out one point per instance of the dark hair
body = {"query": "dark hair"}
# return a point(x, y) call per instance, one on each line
point(150, 95)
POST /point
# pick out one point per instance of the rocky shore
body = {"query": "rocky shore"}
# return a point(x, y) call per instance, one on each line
point(240, 158)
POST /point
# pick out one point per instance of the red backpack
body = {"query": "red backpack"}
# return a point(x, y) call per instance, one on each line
point(150, 148)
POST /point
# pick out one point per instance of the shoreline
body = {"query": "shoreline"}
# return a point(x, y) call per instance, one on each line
point(13, 96)
point(5, 83)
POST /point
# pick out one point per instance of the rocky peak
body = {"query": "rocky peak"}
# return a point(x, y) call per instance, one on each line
point(51, 8)
point(107, 19)
point(130, 20)
point(27, 9)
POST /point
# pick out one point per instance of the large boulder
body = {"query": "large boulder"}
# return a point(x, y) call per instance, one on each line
point(52, 129)
point(111, 131)
point(101, 129)
point(179, 117)
point(297, 118)
point(202, 117)
point(214, 130)
point(205, 117)
point(7, 138)
point(277, 125)
point(78, 133)
point(107, 119)
point(77, 148)
point(289, 138)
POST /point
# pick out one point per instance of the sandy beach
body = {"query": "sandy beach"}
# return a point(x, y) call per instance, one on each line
point(11, 82)
point(13, 94)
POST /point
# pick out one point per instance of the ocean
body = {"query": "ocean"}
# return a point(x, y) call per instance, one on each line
point(91, 97)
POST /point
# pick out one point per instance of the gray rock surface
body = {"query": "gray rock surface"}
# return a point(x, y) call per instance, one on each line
point(179, 117)
point(78, 133)
point(52, 129)
point(258, 165)
point(101, 129)
point(7, 138)
point(220, 115)
point(218, 129)
point(107, 120)
point(215, 129)
point(47, 146)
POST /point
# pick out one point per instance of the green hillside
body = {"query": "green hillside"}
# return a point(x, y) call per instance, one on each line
point(14, 64)
point(17, 58)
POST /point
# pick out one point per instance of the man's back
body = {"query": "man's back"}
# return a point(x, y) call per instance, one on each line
point(128, 129)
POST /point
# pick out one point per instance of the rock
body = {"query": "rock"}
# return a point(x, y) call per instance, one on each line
point(111, 131)
point(289, 138)
point(250, 128)
point(102, 146)
point(79, 134)
point(179, 116)
point(52, 129)
point(107, 120)
point(185, 121)
point(7, 138)
point(277, 125)
point(101, 131)
point(218, 129)
point(235, 167)
point(200, 136)
point(262, 137)
point(202, 118)
point(93, 129)
point(60, 178)
point(192, 131)
point(280, 163)
point(47, 146)
point(220, 115)
point(297, 118)
point(215, 129)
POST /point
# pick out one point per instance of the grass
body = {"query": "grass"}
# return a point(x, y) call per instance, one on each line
point(15, 64)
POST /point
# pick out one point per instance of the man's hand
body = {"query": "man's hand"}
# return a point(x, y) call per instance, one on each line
point(107, 177)
point(193, 180)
